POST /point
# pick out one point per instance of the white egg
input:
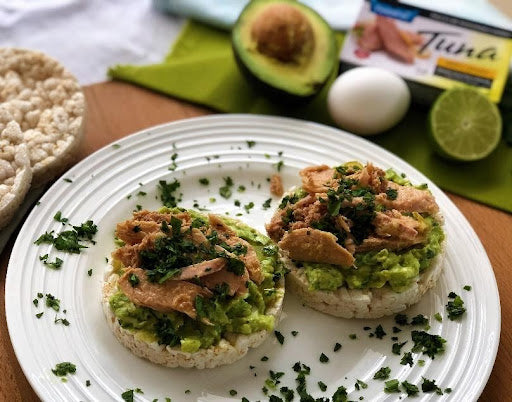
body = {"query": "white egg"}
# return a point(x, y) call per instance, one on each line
point(368, 100)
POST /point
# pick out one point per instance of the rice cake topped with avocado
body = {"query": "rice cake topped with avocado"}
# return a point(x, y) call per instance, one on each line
point(192, 290)
point(359, 241)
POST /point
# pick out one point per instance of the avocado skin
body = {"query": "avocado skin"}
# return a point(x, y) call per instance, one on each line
point(278, 95)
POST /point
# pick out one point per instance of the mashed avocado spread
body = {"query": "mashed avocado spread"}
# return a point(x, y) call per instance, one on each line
point(378, 268)
point(239, 314)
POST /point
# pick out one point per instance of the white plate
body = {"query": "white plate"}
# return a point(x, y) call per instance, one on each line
point(101, 184)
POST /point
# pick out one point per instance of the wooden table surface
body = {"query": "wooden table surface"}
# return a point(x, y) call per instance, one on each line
point(117, 109)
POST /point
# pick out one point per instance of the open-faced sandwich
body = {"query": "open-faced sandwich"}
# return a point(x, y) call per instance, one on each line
point(359, 241)
point(192, 290)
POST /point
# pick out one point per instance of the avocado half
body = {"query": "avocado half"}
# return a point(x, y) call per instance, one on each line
point(284, 47)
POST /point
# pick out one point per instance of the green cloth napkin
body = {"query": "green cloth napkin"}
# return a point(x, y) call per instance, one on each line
point(200, 68)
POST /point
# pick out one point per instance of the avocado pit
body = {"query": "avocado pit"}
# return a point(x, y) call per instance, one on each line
point(283, 33)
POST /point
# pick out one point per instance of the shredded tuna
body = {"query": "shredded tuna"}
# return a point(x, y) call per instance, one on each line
point(314, 245)
point(219, 225)
point(158, 217)
point(394, 224)
point(133, 231)
point(317, 179)
point(276, 185)
point(371, 177)
point(166, 297)
point(201, 269)
point(198, 237)
point(379, 243)
point(129, 254)
point(393, 41)
point(409, 199)
point(236, 283)
point(250, 259)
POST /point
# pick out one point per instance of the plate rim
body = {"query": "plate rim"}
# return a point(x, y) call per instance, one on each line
point(268, 120)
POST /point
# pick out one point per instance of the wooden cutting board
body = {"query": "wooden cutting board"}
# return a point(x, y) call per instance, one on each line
point(117, 109)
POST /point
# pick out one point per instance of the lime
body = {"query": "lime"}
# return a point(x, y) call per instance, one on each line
point(464, 125)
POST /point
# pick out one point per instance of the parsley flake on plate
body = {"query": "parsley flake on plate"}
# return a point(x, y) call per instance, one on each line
point(63, 369)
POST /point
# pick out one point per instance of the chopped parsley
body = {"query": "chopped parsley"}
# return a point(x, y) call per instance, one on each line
point(420, 319)
point(337, 346)
point(397, 348)
point(322, 386)
point(264, 359)
point(295, 333)
point(204, 181)
point(323, 358)
point(391, 194)
point(396, 330)
point(241, 188)
point(116, 146)
point(248, 207)
point(401, 319)
point(340, 395)
point(467, 288)
point(279, 165)
point(455, 308)
point(36, 302)
point(360, 385)
point(379, 332)
point(127, 395)
point(134, 280)
point(141, 194)
point(69, 240)
point(63, 369)
point(63, 321)
point(39, 315)
point(52, 302)
point(88, 383)
point(250, 144)
point(58, 217)
point(68, 180)
point(429, 344)
point(352, 336)
point(382, 374)
point(392, 386)
point(225, 191)
point(89, 273)
point(438, 317)
point(266, 205)
point(279, 337)
point(233, 392)
point(411, 389)
point(407, 359)
point(167, 191)
point(430, 386)
point(54, 265)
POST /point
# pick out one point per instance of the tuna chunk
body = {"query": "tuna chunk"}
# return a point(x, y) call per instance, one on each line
point(236, 283)
point(393, 41)
point(132, 231)
point(129, 254)
point(394, 224)
point(157, 217)
point(371, 177)
point(314, 245)
point(219, 225)
point(250, 259)
point(317, 179)
point(276, 185)
point(166, 297)
point(409, 199)
point(201, 269)
point(370, 39)
point(379, 243)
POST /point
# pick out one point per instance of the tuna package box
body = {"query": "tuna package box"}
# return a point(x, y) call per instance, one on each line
point(431, 50)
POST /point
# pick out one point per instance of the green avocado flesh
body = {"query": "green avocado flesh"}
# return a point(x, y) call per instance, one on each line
point(238, 314)
point(378, 268)
point(302, 75)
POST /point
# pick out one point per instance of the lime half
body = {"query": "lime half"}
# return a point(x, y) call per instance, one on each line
point(464, 125)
